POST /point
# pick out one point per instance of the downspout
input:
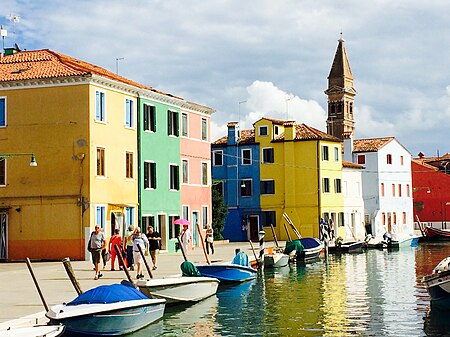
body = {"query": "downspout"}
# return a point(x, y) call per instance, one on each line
point(139, 165)
point(318, 184)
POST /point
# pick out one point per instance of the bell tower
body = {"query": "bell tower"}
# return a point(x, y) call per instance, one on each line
point(341, 95)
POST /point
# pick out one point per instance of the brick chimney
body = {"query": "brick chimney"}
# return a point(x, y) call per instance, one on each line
point(289, 130)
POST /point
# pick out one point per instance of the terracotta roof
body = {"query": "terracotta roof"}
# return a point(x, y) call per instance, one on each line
point(428, 159)
point(370, 144)
point(351, 165)
point(305, 132)
point(45, 63)
point(275, 121)
point(424, 164)
point(246, 137)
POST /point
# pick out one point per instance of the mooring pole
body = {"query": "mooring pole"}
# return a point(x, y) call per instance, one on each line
point(36, 284)
point(261, 245)
point(71, 274)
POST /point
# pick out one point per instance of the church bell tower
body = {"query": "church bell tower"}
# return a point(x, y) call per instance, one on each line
point(341, 95)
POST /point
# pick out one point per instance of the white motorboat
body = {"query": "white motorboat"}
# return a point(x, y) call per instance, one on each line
point(107, 310)
point(275, 260)
point(179, 289)
point(34, 331)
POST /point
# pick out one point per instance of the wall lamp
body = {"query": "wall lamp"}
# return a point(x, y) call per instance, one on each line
point(33, 162)
point(415, 189)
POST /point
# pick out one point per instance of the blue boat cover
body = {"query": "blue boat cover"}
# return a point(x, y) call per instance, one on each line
point(309, 243)
point(241, 259)
point(108, 294)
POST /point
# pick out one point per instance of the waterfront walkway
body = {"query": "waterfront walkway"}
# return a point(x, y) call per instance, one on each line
point(20, 301)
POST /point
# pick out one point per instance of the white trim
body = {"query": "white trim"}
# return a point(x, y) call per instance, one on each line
point(182, 171)
point(149, 178)
point(262, 155)
point(208, 177)
point(261, 127)
point(133, 113)
point(179, 180)
point(213, 158)
point(242, 157)
point(133, 178)
point(105, 120)
point(6, 175)
point(187, 124)
point(201, 129)
point(105, 162)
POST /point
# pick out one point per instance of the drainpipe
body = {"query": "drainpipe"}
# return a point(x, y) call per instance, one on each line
point(318, 182)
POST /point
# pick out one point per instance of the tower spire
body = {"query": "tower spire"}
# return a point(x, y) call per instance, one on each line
point(340, 94)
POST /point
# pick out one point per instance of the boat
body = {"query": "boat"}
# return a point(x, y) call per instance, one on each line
point(180, 289)
point(275, 260)
point(107, 310)
point(436, 234)
point(438, 285)
point(304, 248)
point(238, 270)
point(34, 331)
point(347, 247)
point(411, 241)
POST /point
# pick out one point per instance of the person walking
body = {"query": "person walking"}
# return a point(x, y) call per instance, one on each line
point(96, 244)
point(185, 238)
point(154, 242)
point(330, 229)
point(209, 239)
point(116, 239)
point(128, 247)
point(138, 240)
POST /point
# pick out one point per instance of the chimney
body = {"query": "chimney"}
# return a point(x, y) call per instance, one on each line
point(233, 133)
point(348, 146)
point(289, 130)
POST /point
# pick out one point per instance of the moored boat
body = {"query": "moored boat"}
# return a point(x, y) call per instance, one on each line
point(181, 289)
point(227, 272)
point(34, 331)
point(107, 310)
point(410, 241)
point(304, 248)
point(436, 234)
point(347, 247)
point(438, 284)
point(275, 260)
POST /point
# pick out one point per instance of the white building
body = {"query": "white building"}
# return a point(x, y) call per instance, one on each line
point(353, 201)
point(386, 184)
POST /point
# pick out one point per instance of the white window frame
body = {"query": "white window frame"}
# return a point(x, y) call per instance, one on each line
point(132, 165)
point(205, 211)
point(336, 154)
point(183, 124)
point(104, 162)
point(262, 127)
point(242, 157)
point(151, 110)
point(262, 155)
point(244, 182)
point(202, 174)
point(129, 113)
point(214, 157)
point(170, 177)
point(204, 129)
point(184, 160)
point(102, 223)
point(129, 220)
point(150, 185)
point(325, 153)
point(267, 180)
point(5, 183)
point(102, 118)
point(327, 189)
point(185, 212)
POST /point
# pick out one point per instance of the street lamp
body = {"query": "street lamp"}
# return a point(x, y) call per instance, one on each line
point(415, 189)
point(33, 162)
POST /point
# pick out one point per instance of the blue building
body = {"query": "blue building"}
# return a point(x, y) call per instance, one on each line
point(235, 171)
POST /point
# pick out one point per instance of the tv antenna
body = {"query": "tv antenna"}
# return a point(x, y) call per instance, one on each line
point(13, 18)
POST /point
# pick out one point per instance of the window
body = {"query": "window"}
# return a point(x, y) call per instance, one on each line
point(100, 213)
point(325, 155)
point(149, 175)
point(184, 124)
point(399, 190)
point(401, 160)
point(383, 219)
point(148, 220)
point(174, 181)
point(340, 219)
point(129, 216)
point(267, 187)
point(185, 212)
point(337, 186)
point(149, 118)
point(100, 162)
point(129, 165)
point(361, 159)
point(393, 190)
point(336, 154)
point(382, 189)
point(204, 216)
point(172, 123)
point(218, 186)
point(129, 113)
point(389, 158)
point(246, 157)
point(326, 185)
point(404, 217)
point(217, 158)
point(407, 190)
point(100, 106)
point(3, 172)
point(263, 130)
point(204, 173)
point(204, 129)
point(269, 218)
point(185, 171)
point(394, 216)
point(268, 156)
point(3, 111)
point(246, 188)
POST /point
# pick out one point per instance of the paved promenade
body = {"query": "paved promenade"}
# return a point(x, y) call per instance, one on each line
point(20, 303)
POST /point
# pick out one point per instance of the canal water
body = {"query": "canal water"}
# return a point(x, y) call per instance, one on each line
point(374, 293)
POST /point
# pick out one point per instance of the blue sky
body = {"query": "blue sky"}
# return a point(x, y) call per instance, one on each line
point(273, 56)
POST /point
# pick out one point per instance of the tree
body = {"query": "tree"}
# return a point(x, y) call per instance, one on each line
point(219, 213)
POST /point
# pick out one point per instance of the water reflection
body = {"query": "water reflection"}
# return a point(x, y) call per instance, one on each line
point(377, 293)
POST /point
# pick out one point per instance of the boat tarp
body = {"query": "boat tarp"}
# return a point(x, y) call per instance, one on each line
point(108, 294)
point(241, 259)
point(188, 269)
point(309, 243)
point(293, 245)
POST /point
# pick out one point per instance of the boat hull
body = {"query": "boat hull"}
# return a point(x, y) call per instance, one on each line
point(34, 331)
point(227, 272)
point(438, 287)
point(179, 289)
point(435, 234)
point(312, 249)
point(106, 319)
point(276, 260)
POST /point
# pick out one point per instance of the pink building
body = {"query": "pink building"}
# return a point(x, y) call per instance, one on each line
point(195, 153)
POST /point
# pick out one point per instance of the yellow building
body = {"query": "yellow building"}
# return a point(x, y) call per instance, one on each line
point(80, 122)
point(305, 166)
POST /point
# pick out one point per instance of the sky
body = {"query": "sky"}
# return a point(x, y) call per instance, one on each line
point(264, 58)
